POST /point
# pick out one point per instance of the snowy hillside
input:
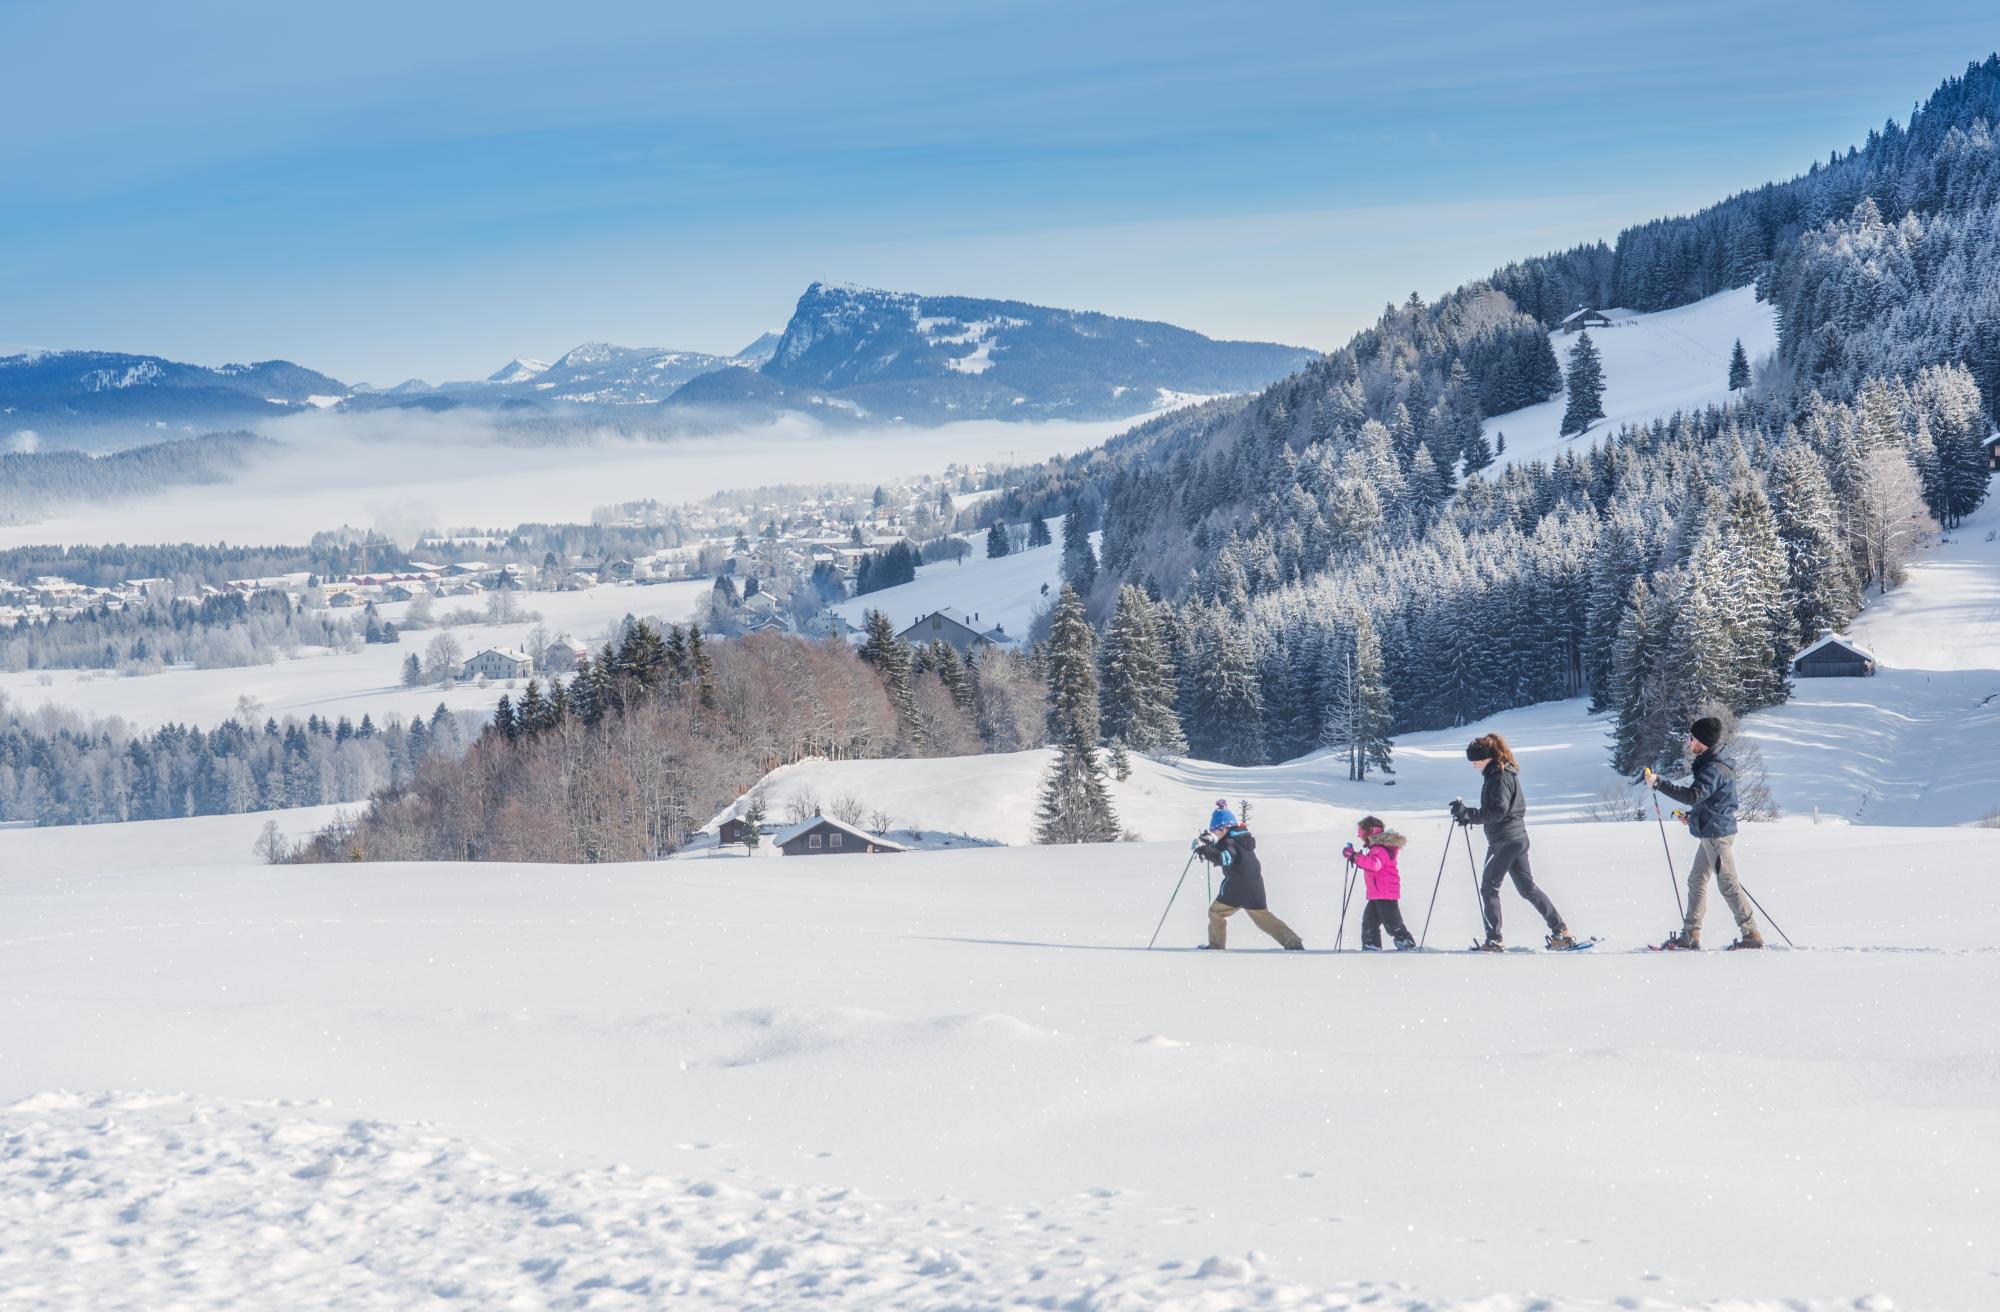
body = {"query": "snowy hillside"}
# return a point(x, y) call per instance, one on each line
point(958, 1080)
point(1916, 744)
point(1654, 364)
point(1008, 591)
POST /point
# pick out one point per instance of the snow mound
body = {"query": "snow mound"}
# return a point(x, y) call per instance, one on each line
point(114, 1200)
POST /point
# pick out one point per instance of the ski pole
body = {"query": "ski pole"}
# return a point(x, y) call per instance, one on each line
point(1478, 895)
point(1345, 894)
point(1438, 883)
point(1672, 878)
point(1767, 915)
point(1170, 904)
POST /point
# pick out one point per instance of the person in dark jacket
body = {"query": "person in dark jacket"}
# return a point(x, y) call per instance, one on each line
point(1711, 817)
point(1234, 851)
point(1503, 810)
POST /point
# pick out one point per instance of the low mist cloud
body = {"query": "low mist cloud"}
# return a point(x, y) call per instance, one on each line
point(405, 472)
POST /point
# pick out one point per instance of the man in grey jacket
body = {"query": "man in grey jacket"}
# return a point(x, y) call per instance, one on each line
point(1711, 817)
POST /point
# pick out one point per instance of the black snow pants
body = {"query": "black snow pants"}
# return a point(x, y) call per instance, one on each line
point(1502, 860)
point(1384, 913)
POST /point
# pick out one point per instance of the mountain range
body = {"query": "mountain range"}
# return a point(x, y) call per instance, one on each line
point(847, 354)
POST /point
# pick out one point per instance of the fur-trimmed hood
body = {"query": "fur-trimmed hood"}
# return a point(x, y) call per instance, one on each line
point(1388, 838)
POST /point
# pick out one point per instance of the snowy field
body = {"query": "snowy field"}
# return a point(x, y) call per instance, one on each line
point(956, 1080)
point(1654, 364)
point(1006, 590)
point(320, 681)
point(406, 472)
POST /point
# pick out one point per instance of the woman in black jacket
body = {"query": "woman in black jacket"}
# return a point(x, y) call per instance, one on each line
point(1503, 809)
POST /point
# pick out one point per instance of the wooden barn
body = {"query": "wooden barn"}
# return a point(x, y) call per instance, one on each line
point(1834, 656)
point(825, 836)
point(733, 830)
point(1582, 317)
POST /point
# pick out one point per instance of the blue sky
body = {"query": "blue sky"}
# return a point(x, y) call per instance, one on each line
point(385, 190)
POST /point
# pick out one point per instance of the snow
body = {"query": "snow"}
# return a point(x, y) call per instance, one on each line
point(1914, 743)
point(1006, 590)
point(329, 683)
point(1654, 364)
point(319, 402)
point(958, 1080)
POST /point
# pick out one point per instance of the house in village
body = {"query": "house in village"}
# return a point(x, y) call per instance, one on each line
point(1582, 317)
point(1993, 452)
point(826, 624)
point(498, 663)
point(342, 600)
point(825, 836)
point(403, 592)
point(1834, 656)
point(564, 654)
point(962, 631)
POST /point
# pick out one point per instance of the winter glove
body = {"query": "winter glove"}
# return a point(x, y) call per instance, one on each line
point(1457, 811)
point(1348, 852)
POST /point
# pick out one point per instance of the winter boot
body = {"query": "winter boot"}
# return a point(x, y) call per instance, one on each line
point(1685, 941)
point(1560, 941)
point(1371, 947)
point(1404, 943)
point(1295, 947)
point(1751, 939)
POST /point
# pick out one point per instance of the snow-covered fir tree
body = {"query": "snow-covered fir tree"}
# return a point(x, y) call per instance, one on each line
point(1075, 805)
point(1079, 559)
point(997, 543)
point(1584, 382)
point(1138, 684)
point(1739, 367)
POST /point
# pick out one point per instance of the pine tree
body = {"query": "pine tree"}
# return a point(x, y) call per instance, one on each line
point(1822, 591)
point(1038, 533)
point(532, 715)
point(1636, 691)
point(1228, 720)
point(1079, 562)
point(891, 659)
point(1585, 381)
point(1138, 682)
point(1075, 805)
point(753, 821)
point(1357, 719)
point(1739, 367)
point(504, 722)
point(996, 541)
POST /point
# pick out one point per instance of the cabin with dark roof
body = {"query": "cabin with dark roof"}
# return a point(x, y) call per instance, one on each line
point(1582, 317)
point(824, 836)
point(1834, 656)
point(1993, 452)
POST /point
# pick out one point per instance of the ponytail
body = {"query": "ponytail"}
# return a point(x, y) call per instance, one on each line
point(1491, 747)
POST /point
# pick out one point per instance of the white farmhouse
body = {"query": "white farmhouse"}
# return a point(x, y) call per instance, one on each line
point(498, 663)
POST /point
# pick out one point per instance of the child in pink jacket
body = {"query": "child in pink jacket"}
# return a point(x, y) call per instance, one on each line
point(1377, 860)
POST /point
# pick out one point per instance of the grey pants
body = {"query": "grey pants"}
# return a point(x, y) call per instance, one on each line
point(1717, 855)
point(1511, 859)
point(1218, 925)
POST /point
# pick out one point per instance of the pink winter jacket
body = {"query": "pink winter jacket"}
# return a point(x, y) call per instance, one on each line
point(1378, 862)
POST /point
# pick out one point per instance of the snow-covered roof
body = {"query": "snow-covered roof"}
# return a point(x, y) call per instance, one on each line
point(1829, 638)
point(844, 828)
point(504, 653)
point(1582, 311)
point(1991, 440)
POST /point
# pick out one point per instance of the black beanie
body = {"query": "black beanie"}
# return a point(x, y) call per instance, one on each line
point(1707, 731)
point(1478, 750)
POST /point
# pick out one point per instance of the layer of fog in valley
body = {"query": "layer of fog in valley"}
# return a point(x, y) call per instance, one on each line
point(405, 473)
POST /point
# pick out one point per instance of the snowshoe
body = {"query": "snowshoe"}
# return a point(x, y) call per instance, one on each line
point(1490, 945)
point(1748, 942)
point(1406, 945)
point(1295, 947)
point(1681, 942)
point(1371, 947)
point(1563, 942)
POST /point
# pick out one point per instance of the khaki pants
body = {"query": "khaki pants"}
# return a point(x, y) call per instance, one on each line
point(1218, 925)
point(1718, 855)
